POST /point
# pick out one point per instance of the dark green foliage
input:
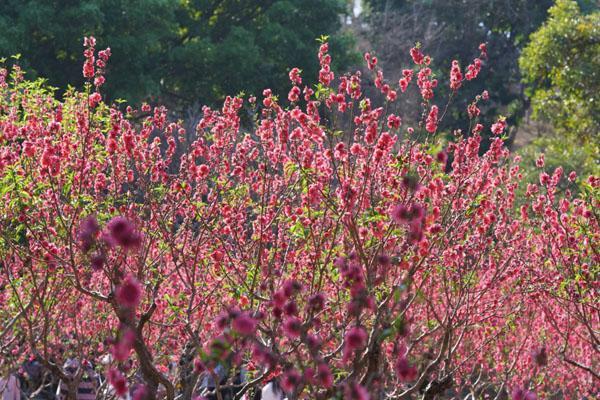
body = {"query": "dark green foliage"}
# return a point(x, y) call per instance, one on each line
point(561, 66)
point(183, 51)
point(250, 45)
point(49, 36)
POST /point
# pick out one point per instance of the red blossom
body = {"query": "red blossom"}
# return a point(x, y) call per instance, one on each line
point(416, 55)
point(432, 120)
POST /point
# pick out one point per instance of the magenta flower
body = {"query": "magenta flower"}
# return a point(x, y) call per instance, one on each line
point(313, 342)
point(122, 232)
point(405, 371)
point(140, 393)
point(222, 321)
point(324, 376)
point(400, 214)
point(415, 232)
point(292, 327)
point(199, 366)
point(244, 324)
point(290, 308)
point(87, 232)
point(129, 293)
point(316, 302)
point(291, 378)
point(97, 261)
point(356, 338)
point(279, 299)
point(411, 182)
point(417, 212)
point(383, 260)
point(340, 262)
point(120, 350)
point(291, 287)
point(442, 157)
point(354, 391)
point(523, 394)
point(540, 356)
point(117, 381)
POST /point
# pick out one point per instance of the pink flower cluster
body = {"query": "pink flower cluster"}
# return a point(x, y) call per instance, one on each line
point(94, 68)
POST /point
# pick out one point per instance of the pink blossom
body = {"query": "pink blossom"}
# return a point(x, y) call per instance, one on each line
point(432, 120)
point(290, 379)
point(244, 324)
point(295, 76)
point(129, 292)
point(94, 99)
point(499, 126)
point(355, 338)
point(416, 55)
point(117, 381)
point(122, 232)
point(292, 327)
point(455, 76)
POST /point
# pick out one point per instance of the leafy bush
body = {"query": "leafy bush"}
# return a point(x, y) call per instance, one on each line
point(561, 65)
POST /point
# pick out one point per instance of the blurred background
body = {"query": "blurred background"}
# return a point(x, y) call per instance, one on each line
point(543, 71)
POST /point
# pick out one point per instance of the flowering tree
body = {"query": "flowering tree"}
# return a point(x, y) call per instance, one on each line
point(329, 245)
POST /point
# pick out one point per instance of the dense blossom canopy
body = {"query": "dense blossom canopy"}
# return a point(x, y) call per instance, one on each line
point(327, 244)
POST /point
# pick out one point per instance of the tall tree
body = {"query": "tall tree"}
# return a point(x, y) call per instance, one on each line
point(561, 66)
point(184, 51)
point(231, 45)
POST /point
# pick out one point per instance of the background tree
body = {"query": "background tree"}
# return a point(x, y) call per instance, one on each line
point(561, 68)
point(232, 46)
point(47, 34)
point(444, 26)
point(185, 52)
point(561, 65)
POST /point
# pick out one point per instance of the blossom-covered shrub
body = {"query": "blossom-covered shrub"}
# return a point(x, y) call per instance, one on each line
point(327, 244)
